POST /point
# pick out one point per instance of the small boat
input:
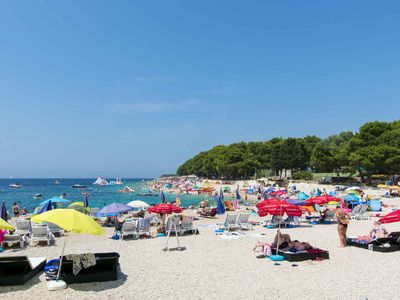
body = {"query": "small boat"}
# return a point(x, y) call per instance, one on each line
point(126, 190)
point(15, 185)
point(38, 196)
point(78, 186)
point(56, 182)
point(148, 195)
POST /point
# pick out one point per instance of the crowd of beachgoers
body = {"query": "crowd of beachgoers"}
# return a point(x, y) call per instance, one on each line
point(251, 238)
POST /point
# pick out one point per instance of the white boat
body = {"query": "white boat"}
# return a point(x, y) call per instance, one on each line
point(15, 185)
point(100, 181)
point(118, 181)
point(56, 182)
point(79, 186)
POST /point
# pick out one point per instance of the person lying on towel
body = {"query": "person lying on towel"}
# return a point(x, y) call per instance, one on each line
point(285, 243)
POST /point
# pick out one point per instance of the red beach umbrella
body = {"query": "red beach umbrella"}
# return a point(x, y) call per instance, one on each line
point(265, 202)
point(279, 208)
point(165, 208)
point(278, 193)
point(392, 217)
point(320, 200)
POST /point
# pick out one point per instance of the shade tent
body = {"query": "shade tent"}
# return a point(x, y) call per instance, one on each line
point(113, 209)
point(138, 204)
point(352, 198)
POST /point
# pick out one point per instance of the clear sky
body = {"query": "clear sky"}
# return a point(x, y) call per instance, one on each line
point(135, 88)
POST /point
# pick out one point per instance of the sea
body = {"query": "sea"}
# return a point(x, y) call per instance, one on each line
point(99, 196)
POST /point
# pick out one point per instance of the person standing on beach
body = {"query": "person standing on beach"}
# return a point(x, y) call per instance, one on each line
point(15, 209)
point(343, 220)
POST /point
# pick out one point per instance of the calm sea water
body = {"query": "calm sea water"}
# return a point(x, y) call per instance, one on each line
point(99, 195)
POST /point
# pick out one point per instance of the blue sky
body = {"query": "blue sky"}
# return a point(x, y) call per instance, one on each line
point(134, 88)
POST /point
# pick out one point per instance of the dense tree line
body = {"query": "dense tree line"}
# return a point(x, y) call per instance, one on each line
point(374, 149)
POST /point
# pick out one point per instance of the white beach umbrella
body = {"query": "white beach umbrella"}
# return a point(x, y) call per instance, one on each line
point(138, 204)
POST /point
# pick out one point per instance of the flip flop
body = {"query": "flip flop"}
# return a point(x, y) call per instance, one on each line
point(277, 264)
point(295, 265)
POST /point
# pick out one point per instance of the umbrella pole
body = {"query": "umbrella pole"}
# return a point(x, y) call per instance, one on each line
point(61, 258)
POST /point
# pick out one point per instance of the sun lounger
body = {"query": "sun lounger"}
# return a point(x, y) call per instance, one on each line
point(187, 226)
point(16, 270)
point(313, 254)
point(389, 244)
point(23, 227)
point(243, 222)
point(10, 239)
point(55, 229)
point(41, 234)
point(230, 222)
point(330, 216)
point(104, 270)
point(144, 226)
point(276, 221)
point(129, 228)
point(362, 214)
point(94, 211)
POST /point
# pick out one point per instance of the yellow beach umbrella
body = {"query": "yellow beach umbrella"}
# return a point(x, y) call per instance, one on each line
point(4, 225)
point(69, 220)
point(79, 206)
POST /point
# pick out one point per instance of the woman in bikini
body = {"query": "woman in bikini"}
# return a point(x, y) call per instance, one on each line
point(378, 231)
point(343, 220)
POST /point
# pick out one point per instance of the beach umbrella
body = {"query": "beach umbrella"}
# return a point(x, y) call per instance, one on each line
point(266, 201)
point(3, 214)
point(69, 220)
point(352, 198)
point(278, 193)
point(165, 208)
point(138, 204)
point(4, 225)
point(79, 206)
point(238, 195)
point(295, 201)
point(163, 197)
point(220, 204)
point(55, 200)
point(279, 208)
point(392, 217)
point(320, 200)
point(113, 209)
point(302, 196)
point(46, 207)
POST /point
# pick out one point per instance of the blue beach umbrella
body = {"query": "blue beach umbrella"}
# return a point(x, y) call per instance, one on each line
point(46, 207)
point(352, 198)
point(302, 196)
point(54, 200)
point(3, 212)
point(162, 197)
point(220, 206)
point(114, 209)
point(238, 195)
point(295, 201)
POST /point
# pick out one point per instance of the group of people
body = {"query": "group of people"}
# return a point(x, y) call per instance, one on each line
point(284, 241)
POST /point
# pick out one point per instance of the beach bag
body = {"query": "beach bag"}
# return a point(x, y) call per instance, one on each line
point(115, 237)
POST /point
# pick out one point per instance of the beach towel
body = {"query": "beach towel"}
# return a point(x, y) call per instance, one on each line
point(80, 261)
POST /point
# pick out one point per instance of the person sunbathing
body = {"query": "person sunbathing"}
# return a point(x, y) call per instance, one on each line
point(378, 231)
point(283, 239)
